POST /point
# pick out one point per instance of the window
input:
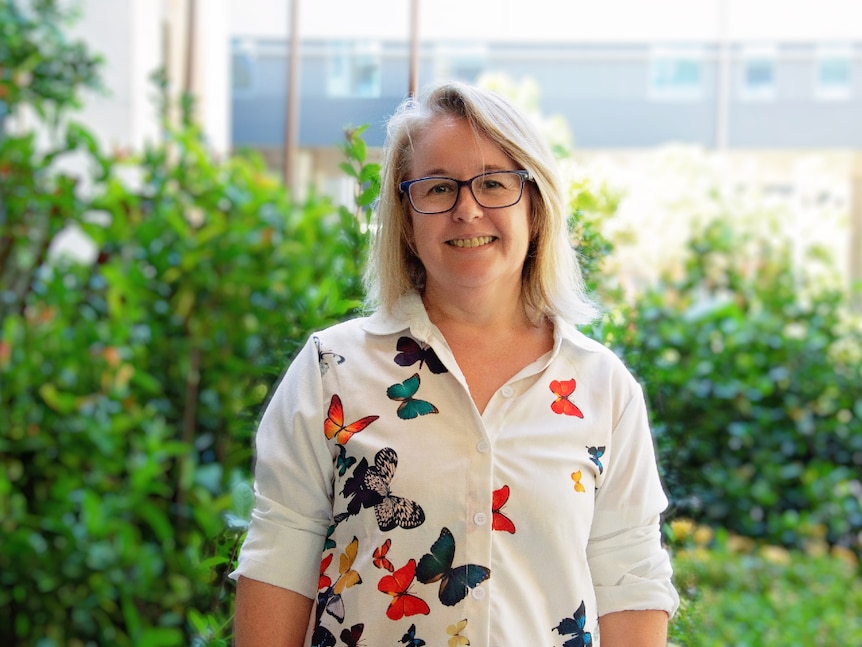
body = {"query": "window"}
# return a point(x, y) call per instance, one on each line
point(833, 73)
point(460, 61)
point(676, 74)
point(353, 70)
point(757, 66)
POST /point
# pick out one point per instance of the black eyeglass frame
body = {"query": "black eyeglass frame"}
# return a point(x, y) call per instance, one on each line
point(404, 187)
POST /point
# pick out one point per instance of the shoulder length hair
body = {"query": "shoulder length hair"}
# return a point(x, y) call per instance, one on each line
point(552, 283)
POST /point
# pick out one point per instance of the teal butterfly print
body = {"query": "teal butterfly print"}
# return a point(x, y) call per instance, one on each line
point(329, 542)
point(343, 462)
point(410, 407)
point(436, 566)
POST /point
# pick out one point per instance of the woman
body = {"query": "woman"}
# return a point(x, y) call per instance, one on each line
point(463, 466)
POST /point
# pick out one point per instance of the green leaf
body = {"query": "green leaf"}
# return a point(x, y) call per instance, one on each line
point(348, 169)
point(63, 403)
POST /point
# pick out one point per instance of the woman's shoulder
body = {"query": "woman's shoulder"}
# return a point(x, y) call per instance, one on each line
point(589, 352)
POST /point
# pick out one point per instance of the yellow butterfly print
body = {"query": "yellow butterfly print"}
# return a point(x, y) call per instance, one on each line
point(576, 477)
point(348, 576)
point(457, 640)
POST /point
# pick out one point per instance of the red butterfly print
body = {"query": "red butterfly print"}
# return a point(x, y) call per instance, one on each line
point(325, 581)
point(334, 426)
point(380, 559)
point(562, 405)
point(403, 602)
point(501, 521)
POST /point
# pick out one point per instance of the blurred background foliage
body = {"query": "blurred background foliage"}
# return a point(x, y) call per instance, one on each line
point(131, 380)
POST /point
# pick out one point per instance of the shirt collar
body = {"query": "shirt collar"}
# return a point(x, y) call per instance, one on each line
point(409, 313)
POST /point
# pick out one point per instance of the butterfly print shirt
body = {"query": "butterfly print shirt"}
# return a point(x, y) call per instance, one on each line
point(407, 516)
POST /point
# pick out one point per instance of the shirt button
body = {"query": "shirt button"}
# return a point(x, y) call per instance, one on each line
point(480, 518)
point(478, 593)
point(482, 447)
point(507, 391)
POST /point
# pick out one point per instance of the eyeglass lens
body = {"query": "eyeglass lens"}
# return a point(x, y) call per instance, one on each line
point(491, 190)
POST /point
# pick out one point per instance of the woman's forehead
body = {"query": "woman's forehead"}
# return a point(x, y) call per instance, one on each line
point(446, 145)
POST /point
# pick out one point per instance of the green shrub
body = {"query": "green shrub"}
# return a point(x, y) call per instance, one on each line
point(39, 65)
point(130, 385)
point(753, 373)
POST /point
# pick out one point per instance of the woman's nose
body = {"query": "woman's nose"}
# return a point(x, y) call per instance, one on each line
point(466, 207)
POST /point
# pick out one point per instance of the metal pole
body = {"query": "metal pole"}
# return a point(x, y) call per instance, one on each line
point(191, 18)
point(292, 116)
point(414, 48)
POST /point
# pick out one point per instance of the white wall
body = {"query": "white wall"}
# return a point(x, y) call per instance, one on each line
point(565, 20)
point(137, 37)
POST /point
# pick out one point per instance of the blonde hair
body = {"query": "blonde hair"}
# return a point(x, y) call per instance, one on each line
point(552, 284)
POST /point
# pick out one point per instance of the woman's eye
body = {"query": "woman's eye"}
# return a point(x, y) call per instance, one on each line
point(491, 185)
point(440, 188)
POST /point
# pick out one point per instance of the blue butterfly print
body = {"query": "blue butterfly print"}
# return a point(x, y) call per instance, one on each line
point(368, 487)
point(410, 407)
point(332, 603)
point(410, 638)
point(436, 566)
point(322, 637)
point(595, 454)
point(411, 351)
point(574, 626)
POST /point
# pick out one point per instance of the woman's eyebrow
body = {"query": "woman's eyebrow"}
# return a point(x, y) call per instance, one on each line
point(441, 172)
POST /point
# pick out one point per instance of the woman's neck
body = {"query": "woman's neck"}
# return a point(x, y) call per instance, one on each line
point(476, 308)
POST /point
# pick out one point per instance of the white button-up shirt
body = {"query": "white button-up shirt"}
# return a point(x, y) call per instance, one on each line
point(383, 493)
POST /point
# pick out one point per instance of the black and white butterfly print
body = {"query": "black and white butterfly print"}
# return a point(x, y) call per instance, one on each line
point(368, 487)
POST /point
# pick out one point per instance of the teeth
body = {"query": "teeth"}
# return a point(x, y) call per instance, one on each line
point(472, 242)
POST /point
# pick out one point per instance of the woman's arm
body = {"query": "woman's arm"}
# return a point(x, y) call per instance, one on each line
point(269, 615)
point(634, 629)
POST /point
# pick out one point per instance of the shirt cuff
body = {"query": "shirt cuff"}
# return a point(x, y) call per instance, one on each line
point(632, 572)
point(285, 553)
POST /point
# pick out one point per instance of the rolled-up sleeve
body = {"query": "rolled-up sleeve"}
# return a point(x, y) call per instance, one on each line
point(631, 570)
point(292, 484)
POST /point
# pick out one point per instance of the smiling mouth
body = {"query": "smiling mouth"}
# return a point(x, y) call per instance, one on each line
point(478, 241)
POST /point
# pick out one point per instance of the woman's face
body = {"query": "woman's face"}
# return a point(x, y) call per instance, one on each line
point(469, 246)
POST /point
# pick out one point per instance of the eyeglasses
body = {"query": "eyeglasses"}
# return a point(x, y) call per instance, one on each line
point(494, 190)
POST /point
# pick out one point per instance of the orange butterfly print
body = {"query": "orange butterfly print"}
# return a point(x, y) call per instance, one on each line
point(380, 559)
point(576, 477)
point(403, 602)
point(499, 520)
point(562, 405)
point(334, 426)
